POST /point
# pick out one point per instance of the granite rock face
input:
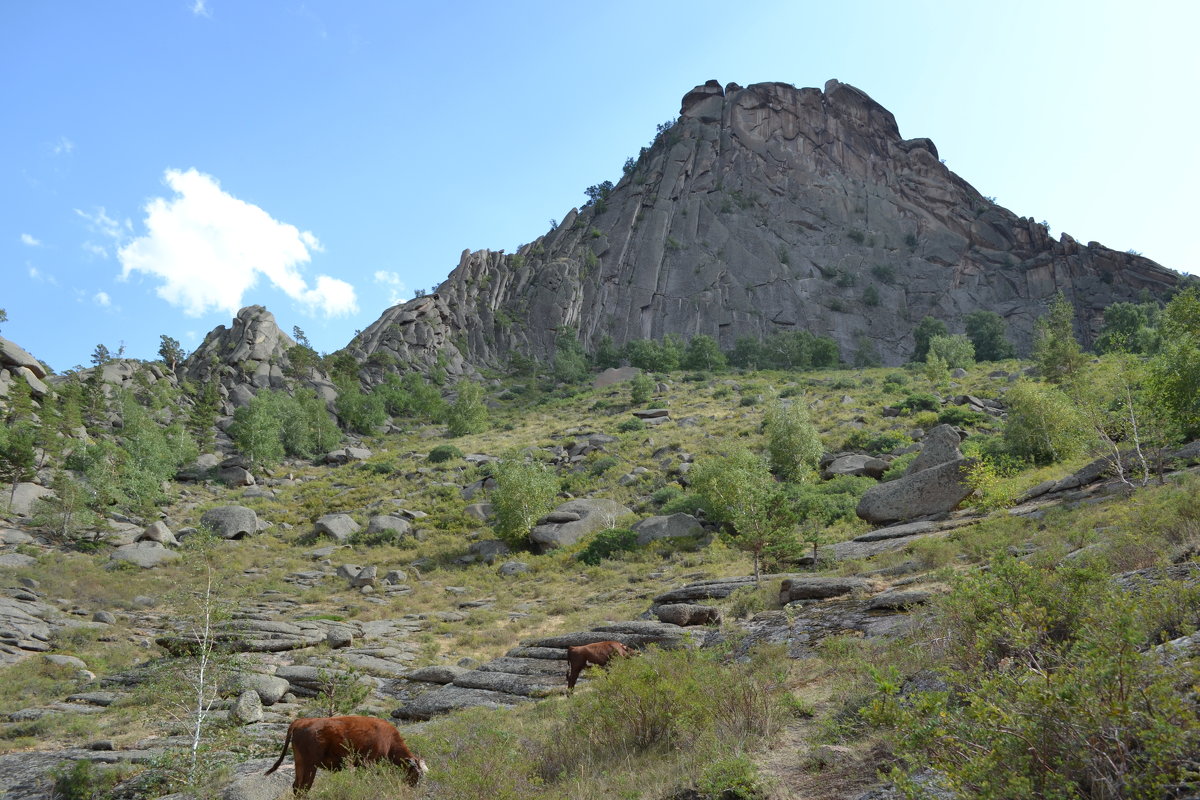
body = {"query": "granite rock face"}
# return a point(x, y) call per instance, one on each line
point(250, 356)
point(763, 209)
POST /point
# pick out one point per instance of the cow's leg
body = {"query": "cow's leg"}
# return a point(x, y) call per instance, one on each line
point(306, 773)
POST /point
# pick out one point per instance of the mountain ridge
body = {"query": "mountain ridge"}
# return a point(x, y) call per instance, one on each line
point(762, 209)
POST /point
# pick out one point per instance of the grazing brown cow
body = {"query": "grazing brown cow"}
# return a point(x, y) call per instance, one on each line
point(598, 653)
point(329, 742)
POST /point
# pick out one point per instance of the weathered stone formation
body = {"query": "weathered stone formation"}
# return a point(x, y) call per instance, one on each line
point(765, 209)
point(16, 362)
point(933, 484)
point(248, 357)
point(418, 334)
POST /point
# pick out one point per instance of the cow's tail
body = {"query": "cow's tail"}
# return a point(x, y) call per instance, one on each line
point(287, 741)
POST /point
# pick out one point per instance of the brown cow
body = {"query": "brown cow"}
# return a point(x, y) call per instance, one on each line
point(328, 742)
point(598, 653)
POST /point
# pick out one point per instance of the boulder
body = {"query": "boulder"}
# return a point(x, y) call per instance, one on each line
point(338, 527)
point(203, 467)
point(688, 614)
point(144, 554)
point(347, 454)
point(934, 483)
point(14, 356)
point(510, 568)
point(392, 527)
point(231, 522)
point(932, 491)
point(594, 515)
point(819, 588)
point(673, 526)
point(24, 498)
point(856, 464)
point(614, 375)
point(939, 446)
point(270, 689)
point(488, 550)
point(157, 532)
point(479, 511)
point(248, 707)
point(442, 674)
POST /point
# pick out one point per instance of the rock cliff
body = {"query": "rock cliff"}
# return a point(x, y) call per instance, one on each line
point(763, 209)
point(251, 355)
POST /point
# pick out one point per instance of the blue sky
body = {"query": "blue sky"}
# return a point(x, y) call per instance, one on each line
point(164, 162)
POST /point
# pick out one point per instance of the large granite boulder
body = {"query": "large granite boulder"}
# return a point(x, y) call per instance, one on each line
point(22, 500)
point(573, 520)
point(339, 527)
point(14, 357)
point(673, 526)
point(231, 522)
point(934, 483)
point(144, 554)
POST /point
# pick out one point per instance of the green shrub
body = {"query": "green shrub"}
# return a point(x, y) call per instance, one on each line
point(603, 465)
point(1043, 425)
point(876, 442)
point(360, 411)
point(83, 780)
point(920, 401)
point(1050, 691)
point(634, 424)
point(606, 544)
point(793, 444)
point(640, 389)
point(894, 380)
point(524, 492)
point(957, 351)
point(733, 777)
point(467, 414)
point(962, 416)
point(830, 501)
point(683, 503)
point(898, 466)
point(443, 452)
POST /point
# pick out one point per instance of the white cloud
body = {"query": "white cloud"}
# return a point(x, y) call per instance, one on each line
point(43, 277)
point(26, 239)
point(101, 224)
point(102, 299)
point(63, 146)
point(397, 291)
point(200, 8)
point(209, 248)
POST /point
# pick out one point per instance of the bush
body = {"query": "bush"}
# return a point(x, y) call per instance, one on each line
point(524, 493)
point(629, 425)
point(1043, 425)
point(920, 401)
point(360, 411)
point(1050, 692)
point(683, 503)
point(467, 414)
point(640, 389)
point(876, 442)
point(443, 452)
point(793, 444)
point(962, 416)
point(830, 501)
point(957, 351)
point(1055, 348)
point(986, 332)
point(606, 544)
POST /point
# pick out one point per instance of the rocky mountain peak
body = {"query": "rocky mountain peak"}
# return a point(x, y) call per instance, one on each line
point(764, 209)
point(251, 355)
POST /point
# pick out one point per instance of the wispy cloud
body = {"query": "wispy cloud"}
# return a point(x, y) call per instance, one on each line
point(102, 299)
point(30, 241)
point(42, 277)
point(210, 248)
point(62, 147)
point(397, 291)
point(110, 231)
point(200, 9)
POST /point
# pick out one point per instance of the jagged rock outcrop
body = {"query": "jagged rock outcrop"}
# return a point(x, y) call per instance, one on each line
point(764, 209)
point(15, 363)
point(250, 356)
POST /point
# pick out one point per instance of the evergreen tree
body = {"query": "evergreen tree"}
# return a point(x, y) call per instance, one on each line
point(606, 355)
point(570, 362)
point(1055, 348)
point(985, 329)
point(640, 389)
point(17, 455)
point(1175, 371)
point(926, 329)
point(170, 351)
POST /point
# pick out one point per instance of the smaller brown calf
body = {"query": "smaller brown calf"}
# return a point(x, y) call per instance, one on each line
point(598, 653)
